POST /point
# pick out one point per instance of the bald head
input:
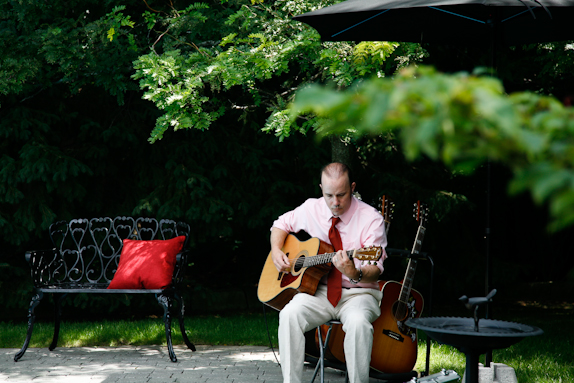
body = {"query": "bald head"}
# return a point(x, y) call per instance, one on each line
point(336, 170)
point(337, 187)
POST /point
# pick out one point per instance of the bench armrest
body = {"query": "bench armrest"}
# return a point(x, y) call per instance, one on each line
point(181, 262)
point(45, 266)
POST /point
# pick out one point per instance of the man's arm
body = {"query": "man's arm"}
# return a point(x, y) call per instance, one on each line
point(370, 274)
point(346, 266)
point(280, 260)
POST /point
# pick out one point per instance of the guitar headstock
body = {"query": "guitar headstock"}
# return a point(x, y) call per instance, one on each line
point(372, 253)
point(421, 213)
point(387, 208)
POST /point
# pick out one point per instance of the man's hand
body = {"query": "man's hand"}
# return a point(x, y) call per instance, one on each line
point(345, 265)
point(280, 260)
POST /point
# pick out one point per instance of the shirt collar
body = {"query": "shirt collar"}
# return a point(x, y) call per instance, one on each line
point(346, 217)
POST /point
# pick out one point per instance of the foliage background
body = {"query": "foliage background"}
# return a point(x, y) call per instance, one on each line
point(84, 85)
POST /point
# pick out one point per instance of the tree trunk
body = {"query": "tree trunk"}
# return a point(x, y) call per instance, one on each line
point(340, 151)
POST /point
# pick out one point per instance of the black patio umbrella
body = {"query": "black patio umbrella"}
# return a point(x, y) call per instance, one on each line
point(511, 22)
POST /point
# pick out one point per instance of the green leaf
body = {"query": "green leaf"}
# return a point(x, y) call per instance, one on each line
point(111, 33)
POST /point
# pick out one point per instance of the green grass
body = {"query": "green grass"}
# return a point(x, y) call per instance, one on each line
point(241, 329)
point(542, 359)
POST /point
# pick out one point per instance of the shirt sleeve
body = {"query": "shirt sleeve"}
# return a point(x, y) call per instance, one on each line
point(292, 221)
point(375, 236)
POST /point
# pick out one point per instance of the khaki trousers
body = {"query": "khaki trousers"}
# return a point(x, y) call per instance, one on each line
point(357, 309)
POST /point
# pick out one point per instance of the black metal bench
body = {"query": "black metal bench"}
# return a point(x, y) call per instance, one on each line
point(85, 258)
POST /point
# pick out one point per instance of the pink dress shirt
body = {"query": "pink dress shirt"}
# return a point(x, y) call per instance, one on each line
point(360, 226)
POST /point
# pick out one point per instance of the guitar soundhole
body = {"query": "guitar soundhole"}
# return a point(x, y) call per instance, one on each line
point(399, 311)
point(298, 265)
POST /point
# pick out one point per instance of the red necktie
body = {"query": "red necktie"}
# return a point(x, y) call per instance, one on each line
point(335, 278)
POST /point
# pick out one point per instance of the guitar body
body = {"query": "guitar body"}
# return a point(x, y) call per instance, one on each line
point(394, 343)
point(276, 289)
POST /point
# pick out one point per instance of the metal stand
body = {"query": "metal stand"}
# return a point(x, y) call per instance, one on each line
point(320, 367)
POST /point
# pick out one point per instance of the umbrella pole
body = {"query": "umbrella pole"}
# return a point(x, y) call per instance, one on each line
point(487, 282)
point(488, 356)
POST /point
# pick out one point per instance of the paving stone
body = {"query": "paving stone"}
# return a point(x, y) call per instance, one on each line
point(125, 364)
point(210, 364)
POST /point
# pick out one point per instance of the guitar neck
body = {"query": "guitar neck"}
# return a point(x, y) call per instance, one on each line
point(321, 259)
point(412, 267)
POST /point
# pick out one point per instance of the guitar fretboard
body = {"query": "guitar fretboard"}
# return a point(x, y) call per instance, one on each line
point(412, 267)
point(319, 259)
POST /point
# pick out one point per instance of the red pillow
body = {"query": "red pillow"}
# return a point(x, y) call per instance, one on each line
point(146, 264)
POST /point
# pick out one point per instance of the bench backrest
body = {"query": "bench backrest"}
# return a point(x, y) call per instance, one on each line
point(88, 250)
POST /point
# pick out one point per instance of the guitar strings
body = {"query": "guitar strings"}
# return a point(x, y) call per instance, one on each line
point(315, 259)
point(312, 260)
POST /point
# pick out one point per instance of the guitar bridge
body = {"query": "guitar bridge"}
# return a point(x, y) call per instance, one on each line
point(394, 335)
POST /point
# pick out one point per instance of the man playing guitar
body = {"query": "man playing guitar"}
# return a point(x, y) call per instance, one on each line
point(356, 299)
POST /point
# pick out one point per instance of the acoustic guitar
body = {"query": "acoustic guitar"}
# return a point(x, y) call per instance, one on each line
point(394, 343)
point(310, 261)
